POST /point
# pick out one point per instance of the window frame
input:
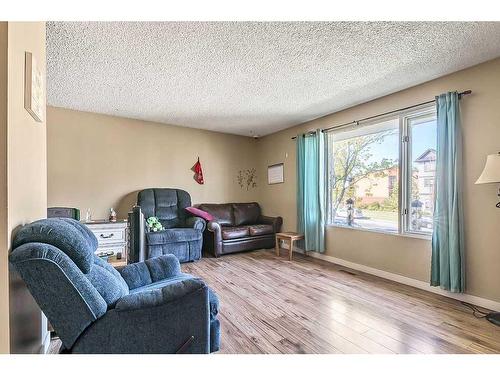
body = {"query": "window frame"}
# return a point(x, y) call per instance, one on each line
point(423, 112)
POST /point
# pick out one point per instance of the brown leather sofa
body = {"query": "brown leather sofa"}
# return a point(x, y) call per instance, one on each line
point(238, 227)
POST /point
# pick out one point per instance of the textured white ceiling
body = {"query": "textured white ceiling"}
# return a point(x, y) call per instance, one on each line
point(250, 78)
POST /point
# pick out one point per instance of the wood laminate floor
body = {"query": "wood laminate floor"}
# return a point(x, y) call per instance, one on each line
point(272, 305)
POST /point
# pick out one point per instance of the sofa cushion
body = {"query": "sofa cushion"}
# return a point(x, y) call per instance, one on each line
point(222, 213)
point(173, 235)
point(163, 267)
point(230, 233)
point(260, 229)
point(246, 213)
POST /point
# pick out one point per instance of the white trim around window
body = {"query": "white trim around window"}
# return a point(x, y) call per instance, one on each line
point(412, 220)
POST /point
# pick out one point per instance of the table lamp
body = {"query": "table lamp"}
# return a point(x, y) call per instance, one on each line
point(491, 172)
point(491, 175)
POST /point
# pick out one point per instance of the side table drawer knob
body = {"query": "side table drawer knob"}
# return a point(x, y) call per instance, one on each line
point(108, 236)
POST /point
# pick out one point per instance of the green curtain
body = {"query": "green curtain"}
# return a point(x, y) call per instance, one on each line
point(447, 267)
point(311, 188)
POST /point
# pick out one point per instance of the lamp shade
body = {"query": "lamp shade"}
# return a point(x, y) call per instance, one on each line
point(491, 171)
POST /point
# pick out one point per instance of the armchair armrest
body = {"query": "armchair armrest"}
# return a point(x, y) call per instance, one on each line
point(276, 222)
point(158, 297)
point(168, 320)
point(195, 222)
point(150, 271)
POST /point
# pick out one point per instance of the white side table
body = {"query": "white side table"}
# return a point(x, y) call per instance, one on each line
point(112, 237)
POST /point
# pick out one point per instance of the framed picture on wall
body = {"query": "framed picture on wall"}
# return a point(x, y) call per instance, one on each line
point(33, 88)
point(275, 174)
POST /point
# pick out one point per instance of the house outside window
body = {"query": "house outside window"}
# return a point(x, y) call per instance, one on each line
point(430, 166)
point(387, 167)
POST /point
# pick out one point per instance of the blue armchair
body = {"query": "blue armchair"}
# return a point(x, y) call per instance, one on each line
point(146, 307)
point(183, 234)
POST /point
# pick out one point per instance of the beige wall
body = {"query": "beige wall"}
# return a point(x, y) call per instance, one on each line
point(404, 255)
point(27, 142)
point(4, 269)
point(23, 153)
point(98, 161)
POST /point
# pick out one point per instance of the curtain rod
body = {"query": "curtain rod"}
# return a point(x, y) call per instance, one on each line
point(460, 94)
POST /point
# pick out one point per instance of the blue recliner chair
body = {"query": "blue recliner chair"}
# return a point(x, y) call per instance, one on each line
point(183, 234)
point(146, 307)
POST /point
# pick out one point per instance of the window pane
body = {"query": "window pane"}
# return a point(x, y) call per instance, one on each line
point(423, 172)
point(364, 170)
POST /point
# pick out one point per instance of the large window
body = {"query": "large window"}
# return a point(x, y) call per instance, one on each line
point(381, 174)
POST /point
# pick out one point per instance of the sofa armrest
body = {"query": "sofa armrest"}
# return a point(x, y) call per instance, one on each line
point(195, 222)
point(158, 297)
point(276, 222)
point(150, 271)
point(213, 237)
point(215, 227)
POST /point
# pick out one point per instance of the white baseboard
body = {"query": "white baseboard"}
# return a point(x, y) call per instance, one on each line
point(478, 301)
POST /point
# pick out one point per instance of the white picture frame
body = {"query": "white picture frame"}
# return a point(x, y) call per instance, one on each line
point(33, 88)
point(275, 174)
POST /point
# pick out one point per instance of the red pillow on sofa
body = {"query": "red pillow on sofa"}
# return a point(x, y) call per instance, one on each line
point(200, 213)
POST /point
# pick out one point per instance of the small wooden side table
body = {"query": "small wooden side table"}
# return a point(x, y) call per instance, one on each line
point(290, 237)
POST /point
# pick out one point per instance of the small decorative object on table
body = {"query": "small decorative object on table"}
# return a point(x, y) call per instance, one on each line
point(154, 224)
point(290, 237)
point(88, 216)
point(112, 215)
